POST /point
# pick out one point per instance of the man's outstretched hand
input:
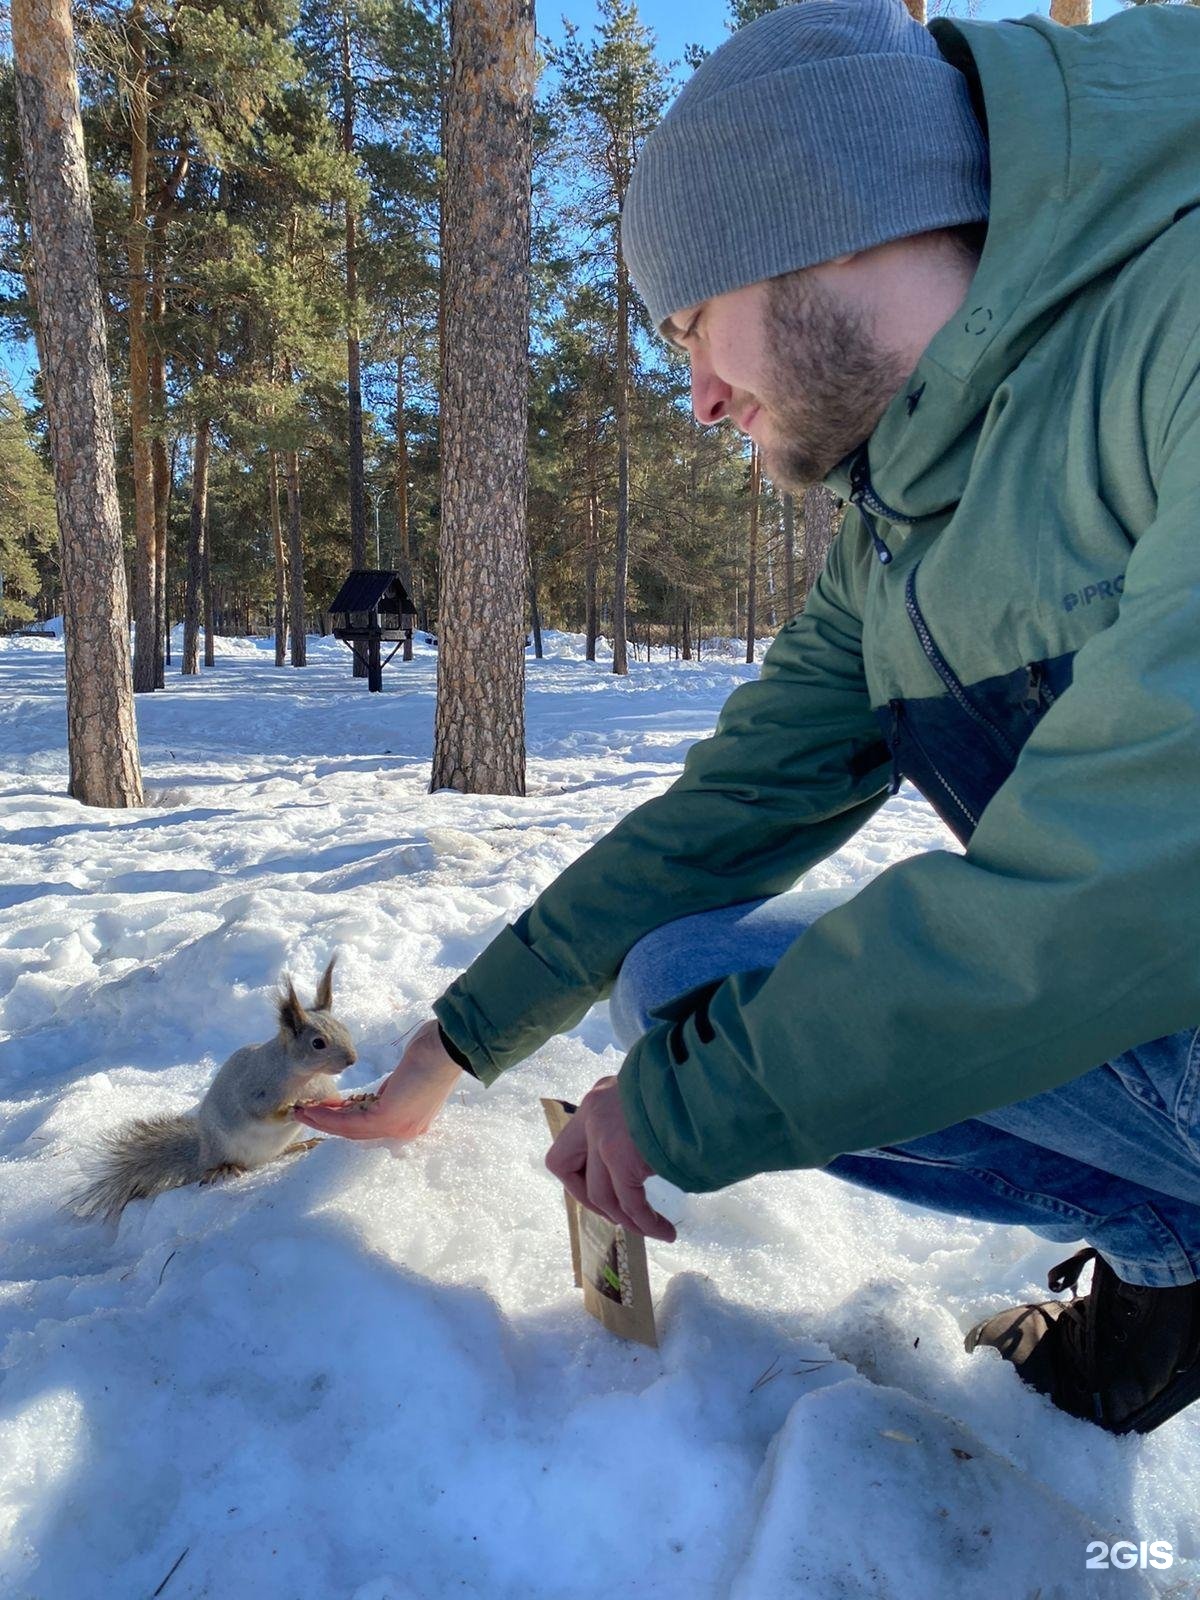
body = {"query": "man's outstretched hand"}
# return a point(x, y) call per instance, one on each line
point(596, 1161)
point(407, 1102)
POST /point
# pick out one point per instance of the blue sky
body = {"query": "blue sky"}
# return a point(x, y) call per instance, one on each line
point(675, 26)
point(703, 21)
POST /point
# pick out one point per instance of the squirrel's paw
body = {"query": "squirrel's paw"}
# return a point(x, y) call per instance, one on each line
point(227, 1169)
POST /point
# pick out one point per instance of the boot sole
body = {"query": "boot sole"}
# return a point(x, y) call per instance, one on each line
point(1178, 1394)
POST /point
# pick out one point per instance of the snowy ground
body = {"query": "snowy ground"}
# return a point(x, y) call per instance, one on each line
point(365, 1374)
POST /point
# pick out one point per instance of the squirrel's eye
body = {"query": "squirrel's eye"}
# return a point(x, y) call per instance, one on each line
point(318, 1043)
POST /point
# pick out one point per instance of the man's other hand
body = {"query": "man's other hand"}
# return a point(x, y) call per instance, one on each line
point(598, 1163)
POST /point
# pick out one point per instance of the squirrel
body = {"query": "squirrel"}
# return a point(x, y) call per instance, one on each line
point(243, 1121)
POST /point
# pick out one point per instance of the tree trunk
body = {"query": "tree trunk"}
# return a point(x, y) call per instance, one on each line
point(101, 724)
point(206, 590)
point(621, 571)
point(592, 624)
point(535, 615)
point(166, 613)
point(145, 600)
point(819, 511)
point(296, 560)
point(752, 573)
point(443, 101)
point(789, 554)
point(686, 631)
point(404, 560)
point(163, 476)
point(1072, 13)
point(358, 498)
point(280, 560)
point(479, 734)
point(197, 532)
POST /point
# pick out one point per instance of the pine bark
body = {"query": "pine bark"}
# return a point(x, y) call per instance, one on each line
point(160, 460)
point(197, 535)
point(206, 589)
point(163, 469)
point(592, 559)
point(621, 570)
point(479, 735)
point(145, 599)
point(280, 559)
point(296, 561)
point(405, 553)
point(357, 473)
point(101, 724)
point(535, 613)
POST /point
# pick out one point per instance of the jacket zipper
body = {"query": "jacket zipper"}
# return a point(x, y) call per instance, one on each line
point(864, 498)
point(862, 495)
point(946, 673)
point(896, 707)
point(1038, 693)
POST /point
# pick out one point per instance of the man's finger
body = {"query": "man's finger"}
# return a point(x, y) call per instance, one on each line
point(568, 1153)
point(631, 1197)
point(601, 1195)
point(574, 1185)
point(351, 1121)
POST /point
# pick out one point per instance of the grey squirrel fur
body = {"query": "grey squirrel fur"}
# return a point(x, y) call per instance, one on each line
point(243, 1121)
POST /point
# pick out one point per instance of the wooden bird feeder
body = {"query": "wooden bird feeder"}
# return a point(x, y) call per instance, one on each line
point(369, 608)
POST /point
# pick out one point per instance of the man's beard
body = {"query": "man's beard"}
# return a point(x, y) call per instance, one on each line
point(828, 383)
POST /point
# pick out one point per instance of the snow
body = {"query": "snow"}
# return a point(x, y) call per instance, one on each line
point(365, 1374)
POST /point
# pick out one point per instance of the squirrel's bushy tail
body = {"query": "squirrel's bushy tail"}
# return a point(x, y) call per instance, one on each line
point(138, 1161)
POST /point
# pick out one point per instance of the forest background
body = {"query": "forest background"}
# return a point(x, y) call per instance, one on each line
point(268, 190)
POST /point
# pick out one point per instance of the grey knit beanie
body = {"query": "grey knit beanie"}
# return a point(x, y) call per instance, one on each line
point(824, 127)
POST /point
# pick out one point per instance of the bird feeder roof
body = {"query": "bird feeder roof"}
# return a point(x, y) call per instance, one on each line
point(367, 590)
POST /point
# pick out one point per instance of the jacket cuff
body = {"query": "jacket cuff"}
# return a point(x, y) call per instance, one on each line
point(506, 1004)
point(455, 1054)
point(637, 1116)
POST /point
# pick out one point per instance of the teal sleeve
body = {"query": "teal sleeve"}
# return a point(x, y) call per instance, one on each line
point(795, 766)
point(953, 984)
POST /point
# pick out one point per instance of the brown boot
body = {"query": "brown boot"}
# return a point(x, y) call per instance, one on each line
point(1122, 1356)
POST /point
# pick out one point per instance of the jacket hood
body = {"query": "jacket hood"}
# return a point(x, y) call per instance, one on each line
point(1093, 133)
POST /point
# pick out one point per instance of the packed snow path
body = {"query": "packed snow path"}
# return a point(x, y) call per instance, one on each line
point(365, 1374)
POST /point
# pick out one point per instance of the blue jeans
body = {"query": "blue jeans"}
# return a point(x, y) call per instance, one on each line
point(1112, 1157)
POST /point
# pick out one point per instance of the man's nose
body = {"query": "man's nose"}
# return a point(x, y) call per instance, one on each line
point(710, 395)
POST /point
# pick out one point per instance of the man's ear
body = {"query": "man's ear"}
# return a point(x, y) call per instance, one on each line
point(291, 1012)
point(324, 1000)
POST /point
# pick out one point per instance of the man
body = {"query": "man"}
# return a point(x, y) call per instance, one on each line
point(1010, 617)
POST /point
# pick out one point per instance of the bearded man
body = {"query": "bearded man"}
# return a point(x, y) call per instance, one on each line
point(951, 273)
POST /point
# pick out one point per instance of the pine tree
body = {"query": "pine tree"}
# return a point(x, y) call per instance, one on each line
point(28, 532)
point(479, 735)
point(101, 729)
point(611, 94)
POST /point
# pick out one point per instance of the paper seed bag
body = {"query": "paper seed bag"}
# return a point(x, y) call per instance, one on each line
point(609, 1262)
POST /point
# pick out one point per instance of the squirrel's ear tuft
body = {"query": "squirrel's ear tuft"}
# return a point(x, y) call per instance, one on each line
point(324, 1000)
point(291, 1012)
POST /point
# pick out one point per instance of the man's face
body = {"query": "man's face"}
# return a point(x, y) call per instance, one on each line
point(797, 366)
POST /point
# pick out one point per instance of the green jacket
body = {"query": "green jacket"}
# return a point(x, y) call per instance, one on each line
point(1029, 656)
